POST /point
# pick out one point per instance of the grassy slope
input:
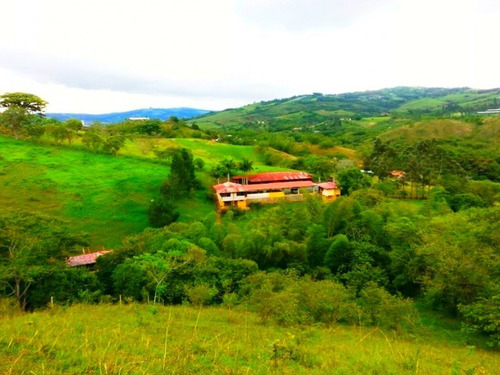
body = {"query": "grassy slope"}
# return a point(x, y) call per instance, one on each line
point(143, 339)
point(466, 100)
point(102, 195)
point(211, 152)
point(488, 133)
point(313, 109)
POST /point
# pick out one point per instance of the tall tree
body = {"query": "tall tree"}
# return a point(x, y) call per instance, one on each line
point(182, 178)
point(19, 107)
point(30, 103)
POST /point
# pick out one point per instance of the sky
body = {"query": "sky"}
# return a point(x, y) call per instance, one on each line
point(99, 56)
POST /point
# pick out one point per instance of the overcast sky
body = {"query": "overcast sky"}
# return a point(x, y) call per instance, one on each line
point(99, 56)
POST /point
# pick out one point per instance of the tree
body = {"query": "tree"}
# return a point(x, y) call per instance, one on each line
point(339, 256)
point(199, 164)
point(58, 131)
point(73, 126)
point(382, 160)
point(245, 166)
point(351, 180)
point(19, 106)
point(162, 212)
point(15, 119)
point(30, 103)
point(92, 140)
point(182, 178)
point(31, 247)
point(217, 171)
point(317, 245)
point(113, 143)
point(229, 166)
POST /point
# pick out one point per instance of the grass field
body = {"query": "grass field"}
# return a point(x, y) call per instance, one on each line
point(104, 196)
point(146, 339)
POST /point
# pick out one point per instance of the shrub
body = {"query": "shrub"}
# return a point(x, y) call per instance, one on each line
point(200, 295)
point(484, 317)
point(326, 302)
point(379, 307)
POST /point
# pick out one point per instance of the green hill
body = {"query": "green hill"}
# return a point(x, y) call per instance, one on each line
point(304, 110)
point(103, 195)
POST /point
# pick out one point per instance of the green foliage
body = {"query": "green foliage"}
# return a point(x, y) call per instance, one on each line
point(64, 286)
point(32, 246)
point(340, 255)
point(201, 294)
point(288, 299)
point(28, 102)
point(378, 307)
point(351, 180)
point(483, 316)
point(20, 110)
point(182, 178)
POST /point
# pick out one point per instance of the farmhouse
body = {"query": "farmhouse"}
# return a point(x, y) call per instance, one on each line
point(270, 187)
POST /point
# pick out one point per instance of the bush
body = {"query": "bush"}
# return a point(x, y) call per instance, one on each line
point(483, 317)
point(162, 212)
point(379, 307)
point(326, 302)
point(200, 295)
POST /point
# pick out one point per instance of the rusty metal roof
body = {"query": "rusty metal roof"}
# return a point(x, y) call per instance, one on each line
point(278, 185)
point(228, 187)
point(85, 259)
point(275, 177)
point(328, 185)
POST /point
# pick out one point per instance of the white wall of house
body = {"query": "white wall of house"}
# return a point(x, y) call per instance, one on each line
point(257, 195)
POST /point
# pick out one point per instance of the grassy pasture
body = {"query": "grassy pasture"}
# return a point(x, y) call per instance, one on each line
point(146, 339)
point(103, 195)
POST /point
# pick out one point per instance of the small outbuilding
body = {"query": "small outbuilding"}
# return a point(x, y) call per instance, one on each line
point(85, 260)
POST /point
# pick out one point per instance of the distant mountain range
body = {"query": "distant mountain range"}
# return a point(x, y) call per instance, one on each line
point(152, 113)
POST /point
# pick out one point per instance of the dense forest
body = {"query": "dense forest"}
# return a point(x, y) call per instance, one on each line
point(392, 247)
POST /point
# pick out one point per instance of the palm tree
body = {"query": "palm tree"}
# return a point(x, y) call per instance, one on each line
point(245, 166)
point(229, 166)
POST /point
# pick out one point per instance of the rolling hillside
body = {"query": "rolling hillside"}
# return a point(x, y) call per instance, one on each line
point(103, 195)
point(299, 111)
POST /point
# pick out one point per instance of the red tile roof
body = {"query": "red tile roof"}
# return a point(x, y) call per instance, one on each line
point(278, 185)
point(228, 187)
point(85, 259)
point(328, 185)
point(275, 177)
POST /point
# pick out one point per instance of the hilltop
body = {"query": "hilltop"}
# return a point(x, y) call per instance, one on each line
point(305, 110)
point(152, 113)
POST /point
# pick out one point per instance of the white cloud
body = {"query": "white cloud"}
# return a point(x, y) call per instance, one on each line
point(115, 55)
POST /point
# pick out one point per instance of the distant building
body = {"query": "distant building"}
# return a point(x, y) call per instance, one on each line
point(491, 111)
point(398, 174)
point(85, 259)
point(329, 191)
point(138, 118)
point(270, 187)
